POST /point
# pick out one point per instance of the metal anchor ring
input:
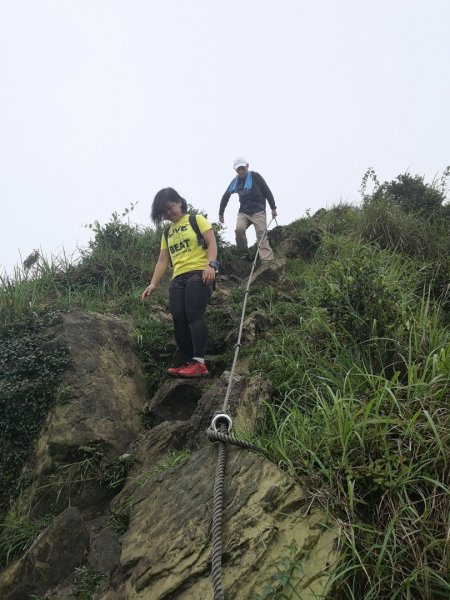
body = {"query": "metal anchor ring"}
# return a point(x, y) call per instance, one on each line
point(221, 417)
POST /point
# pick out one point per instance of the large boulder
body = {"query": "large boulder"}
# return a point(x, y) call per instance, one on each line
point(268, 273)
point(166, 550)
point(99, 404)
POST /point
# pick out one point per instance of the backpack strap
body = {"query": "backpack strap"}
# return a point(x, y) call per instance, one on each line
point(193, 223)
point(166, 235)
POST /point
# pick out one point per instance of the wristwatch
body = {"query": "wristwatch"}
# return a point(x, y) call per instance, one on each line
point(215, 264)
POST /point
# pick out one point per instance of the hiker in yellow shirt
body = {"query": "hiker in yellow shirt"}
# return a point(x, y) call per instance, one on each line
point(189, 244)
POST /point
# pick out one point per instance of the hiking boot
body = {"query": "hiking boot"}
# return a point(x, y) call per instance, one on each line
point(173, 371)
point(193, 369)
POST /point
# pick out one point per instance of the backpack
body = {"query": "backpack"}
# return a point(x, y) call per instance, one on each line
point(193, 223)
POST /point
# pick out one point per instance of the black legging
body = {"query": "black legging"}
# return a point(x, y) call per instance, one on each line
point(188, 298)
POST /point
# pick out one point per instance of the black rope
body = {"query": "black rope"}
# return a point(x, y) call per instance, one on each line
point(241, 325)
point(216, 562)
point(218, 436)
point(222, 437)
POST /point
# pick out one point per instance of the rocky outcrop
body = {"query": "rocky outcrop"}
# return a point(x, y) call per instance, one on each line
point(238, 272)
point(166, 549)
point(99, 404)
point(163, 550)
point(102, 393)
point(104, 554)
point(268, 274)
point(267, 529)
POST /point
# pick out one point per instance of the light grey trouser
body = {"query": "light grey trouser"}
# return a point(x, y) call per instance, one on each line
point(260, 222)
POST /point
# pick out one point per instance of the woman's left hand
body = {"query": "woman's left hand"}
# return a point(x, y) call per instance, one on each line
point(209, 274)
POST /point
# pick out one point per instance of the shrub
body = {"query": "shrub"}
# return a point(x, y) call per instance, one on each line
point(119, 257)
point(307, 234)
point(155, 344)
point(387, 226)
point(359, 297)
point(409, 216)
point(410, 194)
point(30, 371)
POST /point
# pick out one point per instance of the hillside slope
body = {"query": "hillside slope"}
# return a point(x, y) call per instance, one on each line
point(352, 334)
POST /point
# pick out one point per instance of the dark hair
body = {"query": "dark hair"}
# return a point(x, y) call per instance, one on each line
point(159, 204)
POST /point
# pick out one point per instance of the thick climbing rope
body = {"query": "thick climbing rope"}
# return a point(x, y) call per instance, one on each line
point(220, 431)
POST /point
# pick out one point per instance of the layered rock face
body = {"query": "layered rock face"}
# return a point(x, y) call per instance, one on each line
point(102, 393)
point(100, 401)
point(271, 534)
point(166, 551)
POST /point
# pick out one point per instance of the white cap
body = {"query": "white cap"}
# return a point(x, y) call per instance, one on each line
point(240, 162)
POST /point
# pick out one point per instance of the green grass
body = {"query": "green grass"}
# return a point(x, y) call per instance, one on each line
point(173, 459)
point(90, 465)
point(373, 446)
point(87, 583)
point(17, 535)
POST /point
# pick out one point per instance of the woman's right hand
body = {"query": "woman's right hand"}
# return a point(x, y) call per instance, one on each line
point(148, 291)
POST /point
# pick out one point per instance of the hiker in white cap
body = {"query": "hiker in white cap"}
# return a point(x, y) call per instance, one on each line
point(253, 192)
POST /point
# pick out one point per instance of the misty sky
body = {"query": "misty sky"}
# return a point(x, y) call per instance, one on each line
point(104, 102)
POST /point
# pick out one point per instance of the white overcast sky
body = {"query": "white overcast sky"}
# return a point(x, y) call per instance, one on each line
point(104, 102)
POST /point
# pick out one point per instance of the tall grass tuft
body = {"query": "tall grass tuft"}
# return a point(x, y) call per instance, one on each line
point(373, 445)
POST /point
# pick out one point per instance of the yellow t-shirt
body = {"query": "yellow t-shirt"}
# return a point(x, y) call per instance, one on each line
point(182, 243)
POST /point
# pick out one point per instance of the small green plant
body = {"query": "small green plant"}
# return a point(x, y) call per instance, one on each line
point(360, 297)
point(174, 459)
point(115, 472)
point(87, 583)
point(289, 572)
point(155, 344)
point(71, 478)
point(369, 175)
point(91, 466)
point(118, 520)
point(16, 535)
